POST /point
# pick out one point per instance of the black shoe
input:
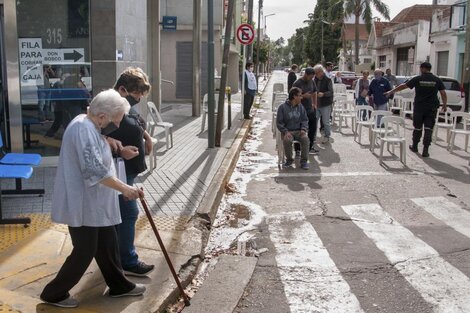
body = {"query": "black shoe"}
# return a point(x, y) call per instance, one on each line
point(141, 269)
point(297, 154)
point(313, 151)
point(247, 117)
point(425, 153)
point(413, 148)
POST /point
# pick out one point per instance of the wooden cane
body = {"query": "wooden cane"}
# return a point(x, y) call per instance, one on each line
point(160, 242)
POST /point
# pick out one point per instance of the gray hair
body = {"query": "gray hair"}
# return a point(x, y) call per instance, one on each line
point(109, 102)
point(318, 68)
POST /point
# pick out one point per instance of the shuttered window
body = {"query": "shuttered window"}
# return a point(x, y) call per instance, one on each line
point(442, 63)
point(184, 70)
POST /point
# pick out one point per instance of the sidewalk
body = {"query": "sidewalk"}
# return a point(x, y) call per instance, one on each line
point(187, 179)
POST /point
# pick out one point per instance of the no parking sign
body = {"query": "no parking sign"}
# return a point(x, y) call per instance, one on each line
point(245, 34)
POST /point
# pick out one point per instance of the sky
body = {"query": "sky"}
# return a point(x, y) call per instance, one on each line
point(289, 17)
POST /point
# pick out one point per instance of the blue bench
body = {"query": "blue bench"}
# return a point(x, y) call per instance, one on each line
point(16, 172)
point(17, 166)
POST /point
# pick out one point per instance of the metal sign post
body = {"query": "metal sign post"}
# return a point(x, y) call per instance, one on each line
point(245, 35)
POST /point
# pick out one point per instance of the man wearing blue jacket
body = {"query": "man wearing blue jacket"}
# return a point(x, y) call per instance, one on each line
point(377, 89)
point(292, 122)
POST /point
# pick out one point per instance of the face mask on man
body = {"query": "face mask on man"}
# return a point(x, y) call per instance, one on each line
point(108, 129)
point(132, 101)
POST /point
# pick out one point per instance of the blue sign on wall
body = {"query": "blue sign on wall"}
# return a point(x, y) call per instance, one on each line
point(169, 22)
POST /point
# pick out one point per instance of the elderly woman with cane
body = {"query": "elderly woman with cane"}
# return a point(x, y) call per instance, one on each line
point(86, 199)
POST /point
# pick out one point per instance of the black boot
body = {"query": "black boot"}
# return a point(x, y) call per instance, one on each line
point(425, 152)
point(414, 147)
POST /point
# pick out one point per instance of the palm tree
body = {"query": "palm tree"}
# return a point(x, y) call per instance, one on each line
point(363, 8)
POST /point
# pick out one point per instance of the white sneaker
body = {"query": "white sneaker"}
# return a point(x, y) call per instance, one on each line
point(137, 291)
point(66, 303)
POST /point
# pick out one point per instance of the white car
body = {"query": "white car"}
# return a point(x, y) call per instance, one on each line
point(454, 90)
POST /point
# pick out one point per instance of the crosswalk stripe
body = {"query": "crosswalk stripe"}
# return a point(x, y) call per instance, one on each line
point(312, 282)
point(440, 284)
point(446, 211)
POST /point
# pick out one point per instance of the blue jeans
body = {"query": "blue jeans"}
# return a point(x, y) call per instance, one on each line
point(362, 101)
point(126, 230)
point(325, 113)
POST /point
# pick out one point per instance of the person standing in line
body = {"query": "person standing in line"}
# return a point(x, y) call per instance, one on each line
point(378, 87)
point(250, 90)
point(426, 104)
point(292, 122)
point(132, 84)
point(309, 101)
point(337, 79)
point(361, 90)
point(85, 198)
point(391, 78)
point(292, 77)
point(324, 100)
point(327, 70)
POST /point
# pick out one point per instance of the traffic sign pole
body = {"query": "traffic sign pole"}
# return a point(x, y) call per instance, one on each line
point(245, 35)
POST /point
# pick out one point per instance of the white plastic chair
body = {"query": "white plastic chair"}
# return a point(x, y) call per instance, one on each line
point(338, 106)
point(339, 88)
point(205, 109)
point(397, 104)
point(407, 107)
point(395, 135)
point(464, 130)
point(347, 112)
point(278, 87)
point(446, 124)
point(363, 111)
point(157, 119)
point(377, 132)
point(151, 127)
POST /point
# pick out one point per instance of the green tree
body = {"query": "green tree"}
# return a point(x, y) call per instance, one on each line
point(363, 8)
point(324, 31)
point(296, 46)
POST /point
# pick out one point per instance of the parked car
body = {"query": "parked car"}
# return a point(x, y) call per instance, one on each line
point(348, 78)
point(455, 94)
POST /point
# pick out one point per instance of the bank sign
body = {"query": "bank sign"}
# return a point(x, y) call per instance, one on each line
point(32, 57)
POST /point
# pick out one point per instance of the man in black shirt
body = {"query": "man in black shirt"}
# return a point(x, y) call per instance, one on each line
point(292, 77)
point(132, 84)
point(309, 101)
point(426, 105)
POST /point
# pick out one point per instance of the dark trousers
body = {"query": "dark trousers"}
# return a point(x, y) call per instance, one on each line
point(88, 243)
point(423, 118)
point(247, 103)
point(312, 126)
point(312, 129)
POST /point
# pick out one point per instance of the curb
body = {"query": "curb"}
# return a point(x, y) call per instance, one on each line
point(207, 209)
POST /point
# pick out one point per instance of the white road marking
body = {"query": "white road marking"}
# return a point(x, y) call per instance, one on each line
point(439, 283)
point(336, 174)
point(312, 282)
point(446, 211)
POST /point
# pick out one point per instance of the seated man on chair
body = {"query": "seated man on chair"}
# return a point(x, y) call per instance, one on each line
point(292, 122)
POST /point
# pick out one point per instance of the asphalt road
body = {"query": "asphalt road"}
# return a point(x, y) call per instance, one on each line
point(350, 235)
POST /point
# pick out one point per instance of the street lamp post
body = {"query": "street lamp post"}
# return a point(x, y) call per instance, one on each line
point(265, 28)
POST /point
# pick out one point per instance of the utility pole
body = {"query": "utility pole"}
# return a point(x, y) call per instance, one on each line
point(260, 7)
point(466, 73)
point(154, 53)
point(249, 53)
point(210, 74)
point(197, 33)
point(223, 79)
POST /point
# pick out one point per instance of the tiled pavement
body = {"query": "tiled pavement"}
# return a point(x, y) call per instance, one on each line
point(174, 188)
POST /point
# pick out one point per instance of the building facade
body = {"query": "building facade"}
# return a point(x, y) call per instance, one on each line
point(55, 54)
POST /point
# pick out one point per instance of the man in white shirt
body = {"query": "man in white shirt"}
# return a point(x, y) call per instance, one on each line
point(250, 90)
point(328, 69)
